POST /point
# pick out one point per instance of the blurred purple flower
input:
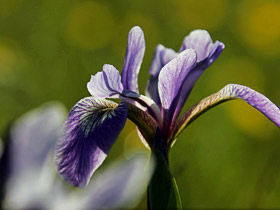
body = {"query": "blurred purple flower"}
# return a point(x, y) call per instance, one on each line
point(32, 183)
point(94, 123)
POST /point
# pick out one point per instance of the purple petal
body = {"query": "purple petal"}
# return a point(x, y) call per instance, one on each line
point(200, 41)
point(231, 91)
point(172, 76)
point(34, 135)
point(122, 185)
point(119, 186)
point(161, 57)
point(133, 58)
point(207, 52)
point(106, 84)
point(214, 51)
point(152, 90)
point(90, 130)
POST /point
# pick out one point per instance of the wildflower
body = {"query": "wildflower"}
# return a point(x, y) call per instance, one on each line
point(94, 123)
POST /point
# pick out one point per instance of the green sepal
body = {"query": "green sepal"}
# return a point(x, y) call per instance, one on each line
point(162, 191)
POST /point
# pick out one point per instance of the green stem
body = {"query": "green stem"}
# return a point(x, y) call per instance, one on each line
point(162, 190)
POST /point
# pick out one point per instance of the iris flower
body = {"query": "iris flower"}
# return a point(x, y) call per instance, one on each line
point(94, 123)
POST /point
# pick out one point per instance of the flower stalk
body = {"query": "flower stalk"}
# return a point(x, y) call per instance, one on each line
point(163, 192)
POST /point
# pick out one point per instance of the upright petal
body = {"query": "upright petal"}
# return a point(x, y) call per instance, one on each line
point(200, 41)
point(172, 76)
point(89, 132)
point(207, 52)
point(106, 84)
point(161, 57)
point(133, 58)
point(214, 51)
point(152, 90)
point(231, 91)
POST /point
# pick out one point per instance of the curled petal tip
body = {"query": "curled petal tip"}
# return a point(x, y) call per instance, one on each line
point(255, 99)
point(201, 42)
point(105, 84)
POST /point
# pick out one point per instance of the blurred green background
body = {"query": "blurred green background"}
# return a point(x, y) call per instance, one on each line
point(228, 158)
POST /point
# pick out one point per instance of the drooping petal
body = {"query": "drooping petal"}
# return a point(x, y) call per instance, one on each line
point(133, 59)
point(231, 91)
point(89, 132)
point(172, 76)
point(106, 84)
point(161, 57)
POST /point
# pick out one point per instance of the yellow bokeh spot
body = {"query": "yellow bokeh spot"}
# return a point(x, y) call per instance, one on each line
point(132, 142)
point(259, 25)
point(200, 14)
point(8, 61)
point(89, 25)
point(250, 120)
